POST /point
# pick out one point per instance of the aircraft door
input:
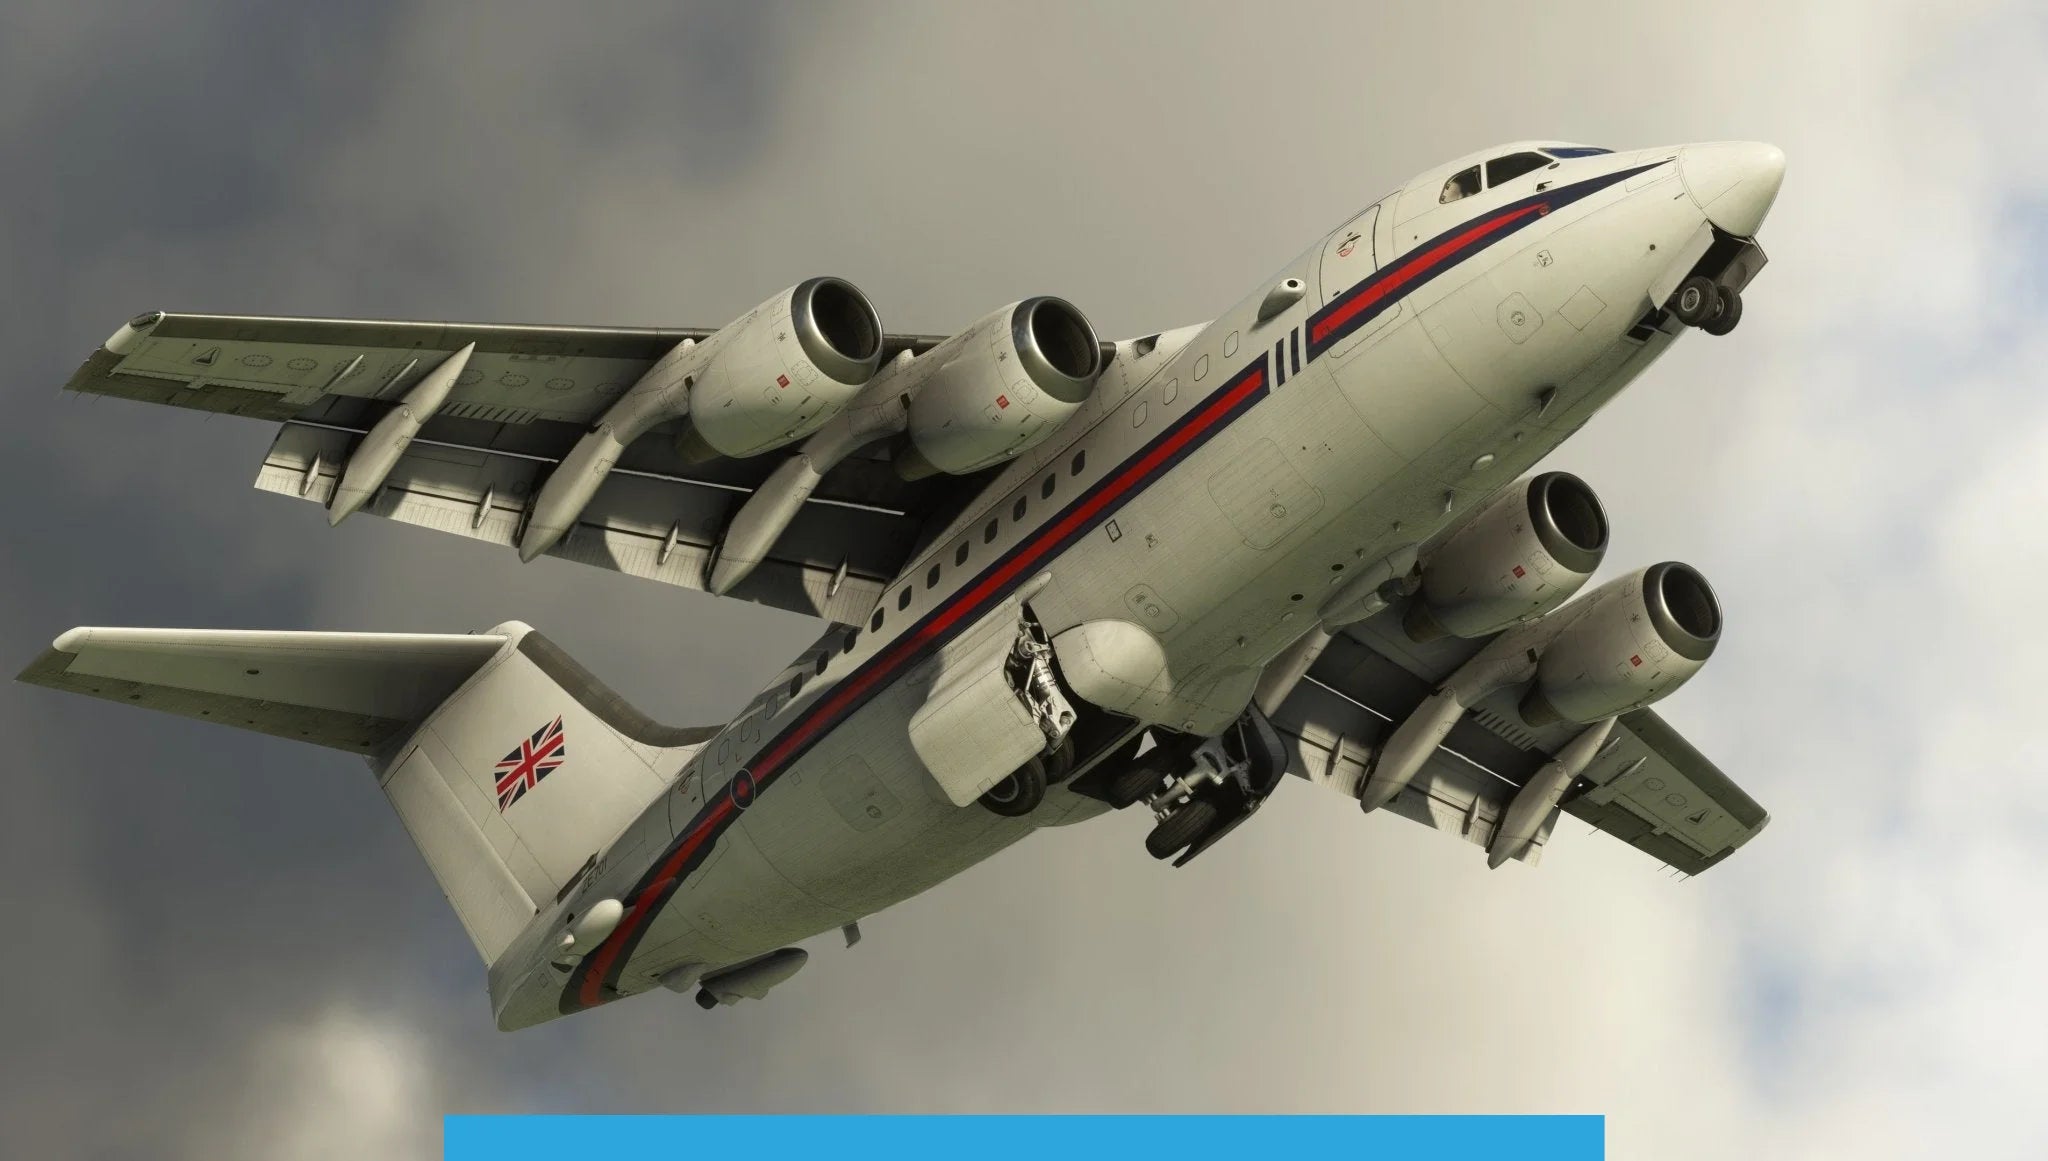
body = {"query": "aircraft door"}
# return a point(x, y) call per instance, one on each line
point(1348, 256)
point(686, 795)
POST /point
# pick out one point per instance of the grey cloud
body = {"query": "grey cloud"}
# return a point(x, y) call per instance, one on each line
point(222, 922)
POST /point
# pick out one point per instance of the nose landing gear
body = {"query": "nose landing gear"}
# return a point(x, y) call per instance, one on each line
point(1700, 302)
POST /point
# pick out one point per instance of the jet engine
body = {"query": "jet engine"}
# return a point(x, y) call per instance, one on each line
point(1629, 643)
point(1521, 555)
point(783, 369)
point(999, 387)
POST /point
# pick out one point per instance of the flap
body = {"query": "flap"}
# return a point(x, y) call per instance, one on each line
point(1647, 786)
point(831, 563)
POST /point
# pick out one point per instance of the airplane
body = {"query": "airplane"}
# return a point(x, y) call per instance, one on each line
point(1062, 576)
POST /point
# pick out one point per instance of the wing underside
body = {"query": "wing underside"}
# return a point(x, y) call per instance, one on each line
point(525, 397)
point(1647, 786)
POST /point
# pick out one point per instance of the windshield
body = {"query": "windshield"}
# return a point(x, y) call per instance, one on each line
point(1506, 169)
point(1566, 152)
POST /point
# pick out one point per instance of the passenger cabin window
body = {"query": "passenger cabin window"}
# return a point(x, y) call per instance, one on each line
point(1080, 461)
point(1502, 170)
point(960, 554)
point(988, 534)
point(875, 622)
point(1017, 509)
point(1045, 489)
point(1462, 185)
point(903, 599)
point(931, 579)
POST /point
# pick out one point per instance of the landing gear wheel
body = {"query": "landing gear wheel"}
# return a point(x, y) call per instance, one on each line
point(706, 1000)
point(1182, 827)
point(1133, 782)
point(1020, 793)
point(1729, 313)
point(1696, 300)
point(1059, 765)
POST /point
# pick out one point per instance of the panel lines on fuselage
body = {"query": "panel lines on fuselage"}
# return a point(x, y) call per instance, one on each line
point(594, 980)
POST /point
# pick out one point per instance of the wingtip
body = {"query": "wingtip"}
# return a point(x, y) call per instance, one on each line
point(72, 640)
point(133, 331)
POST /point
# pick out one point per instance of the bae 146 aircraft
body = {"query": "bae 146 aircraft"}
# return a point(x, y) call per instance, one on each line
point(1062, 576)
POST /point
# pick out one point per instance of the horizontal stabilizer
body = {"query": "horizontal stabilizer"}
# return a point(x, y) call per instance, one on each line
point(361, 692)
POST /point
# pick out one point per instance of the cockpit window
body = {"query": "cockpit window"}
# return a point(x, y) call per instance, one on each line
point(1461, 185)
point(1567, 152)
point(1502, 170)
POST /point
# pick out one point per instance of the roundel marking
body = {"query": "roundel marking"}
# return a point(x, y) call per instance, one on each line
point(742, 788)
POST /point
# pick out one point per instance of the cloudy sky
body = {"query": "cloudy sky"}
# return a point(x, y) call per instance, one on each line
point(227, 948)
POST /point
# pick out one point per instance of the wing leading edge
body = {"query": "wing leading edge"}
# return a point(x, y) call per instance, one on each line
point(525, 396)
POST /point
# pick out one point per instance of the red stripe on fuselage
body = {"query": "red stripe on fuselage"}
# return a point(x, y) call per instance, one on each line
point(590, 992)
point(1407, 271)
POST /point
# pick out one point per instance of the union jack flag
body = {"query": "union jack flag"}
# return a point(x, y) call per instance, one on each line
point(534, 759)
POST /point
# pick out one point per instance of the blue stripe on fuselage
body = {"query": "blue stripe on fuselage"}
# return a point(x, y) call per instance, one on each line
point(1186, 435)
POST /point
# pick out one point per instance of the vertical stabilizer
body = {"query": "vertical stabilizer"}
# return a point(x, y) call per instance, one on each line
point(508, 763)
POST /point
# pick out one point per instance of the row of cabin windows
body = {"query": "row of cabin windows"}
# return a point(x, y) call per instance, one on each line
point(1046, 488)
point(796, 684)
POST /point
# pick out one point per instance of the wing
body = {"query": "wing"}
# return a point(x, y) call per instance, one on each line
point(527, 394)
point(1647, 786)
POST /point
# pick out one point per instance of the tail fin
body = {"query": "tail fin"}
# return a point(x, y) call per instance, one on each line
point(509, 764)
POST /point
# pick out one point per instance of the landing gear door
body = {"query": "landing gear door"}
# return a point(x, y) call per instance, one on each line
point(973, 731)
point(1348, 257)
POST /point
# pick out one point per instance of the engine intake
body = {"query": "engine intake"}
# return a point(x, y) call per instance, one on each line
point(1629, 643)
point(1520, 556)
point(783, 369)
point(999, 387)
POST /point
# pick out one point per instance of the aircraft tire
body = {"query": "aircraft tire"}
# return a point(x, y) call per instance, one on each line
point(1131, 783)
point(1728, 314)
point(1059, 765)
point(1182, 827)
point(1019, 794)
point(706, 1000)
point(1695, 300)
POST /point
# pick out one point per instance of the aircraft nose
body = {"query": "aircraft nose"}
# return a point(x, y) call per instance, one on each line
point(1734, 182)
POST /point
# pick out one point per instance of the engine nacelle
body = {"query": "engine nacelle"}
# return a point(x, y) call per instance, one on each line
point(999, 387)
point(1522, 555)
point(1628, 643)
point(783, 369)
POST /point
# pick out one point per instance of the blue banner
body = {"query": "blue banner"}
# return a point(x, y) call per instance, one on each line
point(1037, 1138)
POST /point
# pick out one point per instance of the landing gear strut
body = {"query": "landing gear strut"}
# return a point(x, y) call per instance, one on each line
point(1215, 784)
point(1029, 670)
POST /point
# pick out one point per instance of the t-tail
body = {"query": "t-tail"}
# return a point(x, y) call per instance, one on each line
point(509, 764)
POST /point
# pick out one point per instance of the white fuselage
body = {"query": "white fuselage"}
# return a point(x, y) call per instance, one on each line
point(1217, 489)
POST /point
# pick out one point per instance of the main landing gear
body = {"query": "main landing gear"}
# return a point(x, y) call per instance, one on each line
point(1199, 789)
point(1029, 670)
point(1700, 302)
